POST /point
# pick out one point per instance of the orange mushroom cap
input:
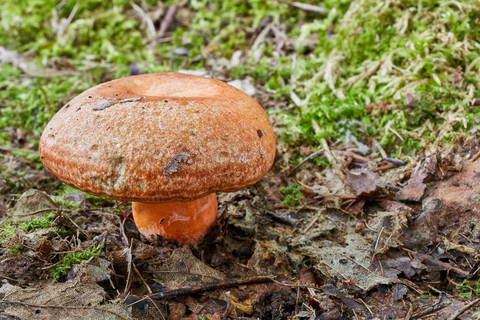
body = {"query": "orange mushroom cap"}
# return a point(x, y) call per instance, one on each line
point(157, 138)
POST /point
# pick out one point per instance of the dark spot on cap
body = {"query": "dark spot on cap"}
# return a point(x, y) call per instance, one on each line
point(116, 94)
point(259, 132)
point(166, 101)
point(161, 221)
point(67, 105)
point(90, 97)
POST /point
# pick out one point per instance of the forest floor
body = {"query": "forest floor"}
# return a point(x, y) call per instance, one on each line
point(372, 207)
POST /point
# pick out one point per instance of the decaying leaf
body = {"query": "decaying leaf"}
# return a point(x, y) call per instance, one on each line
point(389, 227)
point(362, 181)
point(32, 204)
point(415, 187)
point(67, 300)
point(183, 269)
point(269, 257)
point(351, 304)
point(350, 261)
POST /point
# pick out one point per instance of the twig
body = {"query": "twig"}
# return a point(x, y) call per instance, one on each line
point(463, 309)
point(296, 300)
point(145, 17)
point(206, 287)
point(63, 307)
point(409, 312)
point(379, 148)
point(9, 149)
point(156, 307)
point(308, 7)
point(445, 265)
point(440, 304)
point(188, 273)
point(476, 156)
point(122, 231)
point(366, 306)
point(227, 308)
point(320, 211)
point(328, 152)
point(261, 36)
point(167, 20)
point(396, 162)
point(141, 278)
point(387, 166)
point(45, 96)
point(41, 211)
point(129, 281)
point(309, 157)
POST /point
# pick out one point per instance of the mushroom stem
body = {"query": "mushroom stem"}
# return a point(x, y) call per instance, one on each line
point(183, 222)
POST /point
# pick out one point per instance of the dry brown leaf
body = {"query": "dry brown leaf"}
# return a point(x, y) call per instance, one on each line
point(183, 269)
point(362, 181)
point(32, 204)
point(67, 300)
point(347, 262)
point(389, 228)
point(415, 187)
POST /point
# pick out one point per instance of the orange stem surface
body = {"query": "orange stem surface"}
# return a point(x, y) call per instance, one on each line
point(183, 222)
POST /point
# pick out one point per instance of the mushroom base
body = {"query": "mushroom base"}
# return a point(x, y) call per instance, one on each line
point(183, 222)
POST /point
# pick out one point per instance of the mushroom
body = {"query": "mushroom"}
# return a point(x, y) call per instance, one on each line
point(166, 141)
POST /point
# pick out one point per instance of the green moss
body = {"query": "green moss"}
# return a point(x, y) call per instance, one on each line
point(37, 223)
point(74, 258)
point(7, 232)
point(14, 250)
point(358, 53)
point(293, 195)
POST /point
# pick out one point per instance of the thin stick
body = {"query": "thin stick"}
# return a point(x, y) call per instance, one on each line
point(156, 307)
point(206, 287)
point(141, 278)
point(308, 158)
point(475, 157)
point(228, 308)
point(167, 20)
point(129, 281)
point(320, 212)
point(463, 309)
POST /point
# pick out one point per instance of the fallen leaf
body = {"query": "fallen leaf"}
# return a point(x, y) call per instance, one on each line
point(349, 303)
point(415, 187)
point(362, 181)
point(67, 300)
point(389, 228)
point(348, 261)
point(183, 269)
point(32, 204)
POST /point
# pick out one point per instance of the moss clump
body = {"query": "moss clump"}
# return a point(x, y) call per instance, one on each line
point(37, 223)
point(293, 195)
point(335, 64)
point(9, 230)
point(73, 258)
